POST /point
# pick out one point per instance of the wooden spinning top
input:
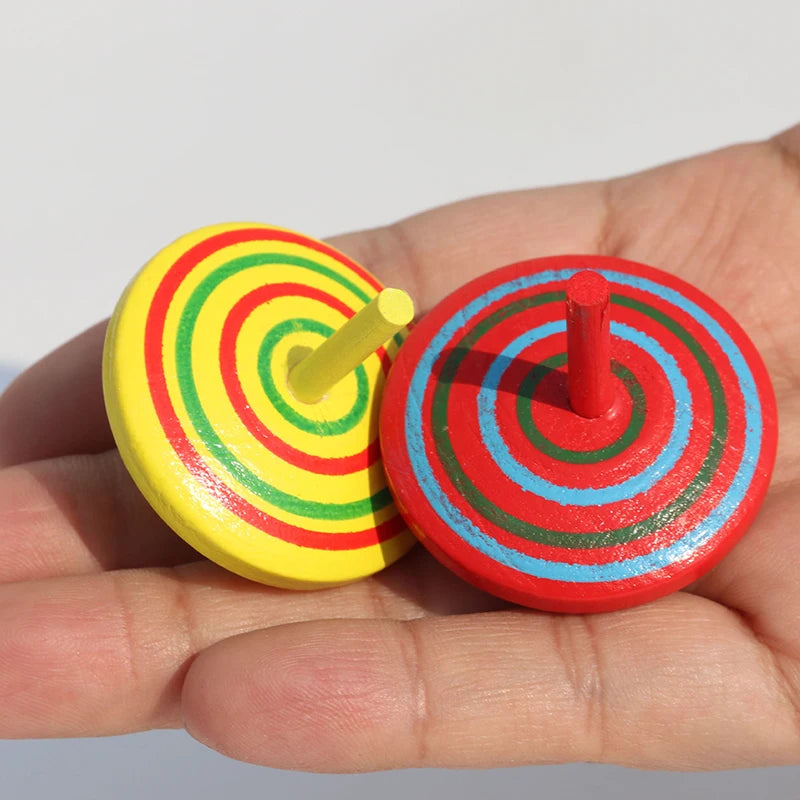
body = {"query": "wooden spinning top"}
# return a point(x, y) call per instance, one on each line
point(243, 371)
point(578, 433)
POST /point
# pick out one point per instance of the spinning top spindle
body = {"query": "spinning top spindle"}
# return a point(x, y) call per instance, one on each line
point(318, 371)
point(591, 391)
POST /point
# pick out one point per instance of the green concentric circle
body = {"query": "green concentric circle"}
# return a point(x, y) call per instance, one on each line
point(527, 390)
point(440, 434)
point(332, 427)
point(202, 425)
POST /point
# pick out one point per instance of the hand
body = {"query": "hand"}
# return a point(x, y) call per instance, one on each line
point(109, 623)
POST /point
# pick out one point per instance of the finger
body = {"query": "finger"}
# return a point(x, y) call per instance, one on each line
point(677, 684)
point(758, 577)
point(432, 253)
point(56, 406)
point(81, 515)
point(76, 515)
point(107, 654)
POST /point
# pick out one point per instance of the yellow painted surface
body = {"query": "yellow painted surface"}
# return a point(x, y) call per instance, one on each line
point(198, 510)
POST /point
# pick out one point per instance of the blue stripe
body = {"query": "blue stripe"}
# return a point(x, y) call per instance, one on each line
point(561, 571)
point(567, 495)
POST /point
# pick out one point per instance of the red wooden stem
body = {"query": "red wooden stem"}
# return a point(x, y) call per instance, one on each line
point(591, 391)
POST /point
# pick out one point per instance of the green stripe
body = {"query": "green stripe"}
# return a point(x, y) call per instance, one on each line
point(239, 471)
point(566, 539)
point(527, 390)
point(324, 427)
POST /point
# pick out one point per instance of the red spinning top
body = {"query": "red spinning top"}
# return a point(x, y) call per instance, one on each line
point(578, 433)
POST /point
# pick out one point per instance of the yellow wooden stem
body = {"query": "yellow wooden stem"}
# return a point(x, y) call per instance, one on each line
point(347, 347)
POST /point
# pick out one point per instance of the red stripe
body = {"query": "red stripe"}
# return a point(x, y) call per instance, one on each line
point(343, 465)
point(153, 348)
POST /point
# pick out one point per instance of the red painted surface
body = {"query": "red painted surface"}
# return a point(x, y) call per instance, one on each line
point(550, 409)
point(591, 389)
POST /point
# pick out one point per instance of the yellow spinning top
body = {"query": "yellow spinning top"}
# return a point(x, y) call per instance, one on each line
point(243, 373)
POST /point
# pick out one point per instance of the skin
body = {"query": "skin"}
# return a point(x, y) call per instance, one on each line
point(110, 624)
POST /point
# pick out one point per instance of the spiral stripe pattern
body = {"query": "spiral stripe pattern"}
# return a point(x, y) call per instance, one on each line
point(519, 495)
point(197, 361)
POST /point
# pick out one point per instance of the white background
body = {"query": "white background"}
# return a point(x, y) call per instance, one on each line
point(125, 124)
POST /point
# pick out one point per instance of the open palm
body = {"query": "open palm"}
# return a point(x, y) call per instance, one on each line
point(109, 623)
